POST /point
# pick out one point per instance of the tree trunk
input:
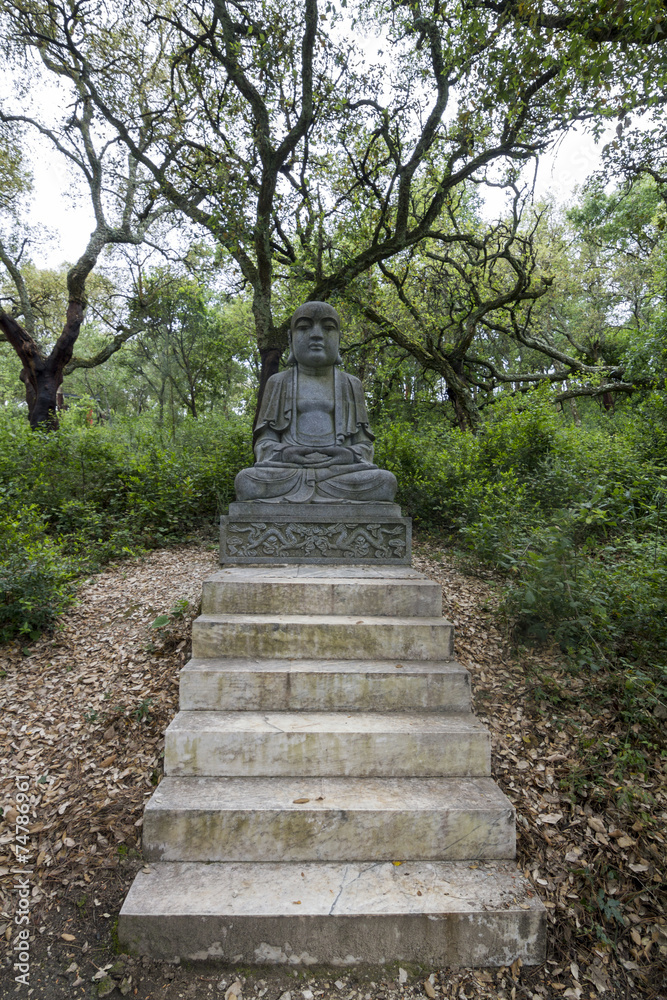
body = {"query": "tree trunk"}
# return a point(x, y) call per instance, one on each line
point(43, 376)
point(270, 365)
point(467, 414)
point(30, 395)
point(43, 395)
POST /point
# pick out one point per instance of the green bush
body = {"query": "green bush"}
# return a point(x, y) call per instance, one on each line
point(495, 516)
point(433, 465)
point(574, 517)
point(110, 489)
point(92, 535)
point(600, 602)
point(520, 439)
point(85, 495)
point(412, 457)
point(35, 576)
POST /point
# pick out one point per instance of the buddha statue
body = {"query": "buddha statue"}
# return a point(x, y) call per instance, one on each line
point(312, 441)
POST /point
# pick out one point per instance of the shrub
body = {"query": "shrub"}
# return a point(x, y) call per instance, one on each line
point(520, 439)
point(84, 495)
point(35, 576)
point(495, 516)
point(120, 486)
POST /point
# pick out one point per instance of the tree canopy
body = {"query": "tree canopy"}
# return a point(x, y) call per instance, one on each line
point(313, 143)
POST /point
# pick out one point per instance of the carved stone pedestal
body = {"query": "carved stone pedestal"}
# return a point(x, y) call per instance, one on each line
point(259, 532)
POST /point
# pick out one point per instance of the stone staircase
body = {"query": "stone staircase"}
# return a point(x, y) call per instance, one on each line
point(327, 794)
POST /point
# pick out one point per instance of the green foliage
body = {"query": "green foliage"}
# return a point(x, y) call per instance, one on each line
point(35, 577)
point(173, 615)
point(575, 518)
point(111, 487)
point(432, 462)
point(520, 437)
point(493, 514)
point(450, 480)
point(193, 349)
point(76, 498)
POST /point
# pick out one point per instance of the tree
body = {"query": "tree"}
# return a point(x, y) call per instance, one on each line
point(575, 300)
point(437, 300)
point(45, 289)
point(117, 192)
point(624, 230)
point(264, 127)
point(192, 350)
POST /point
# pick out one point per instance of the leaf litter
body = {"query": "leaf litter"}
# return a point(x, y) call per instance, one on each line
point(83, 714)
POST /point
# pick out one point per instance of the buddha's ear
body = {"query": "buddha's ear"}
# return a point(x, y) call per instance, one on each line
point(291, 360)
point(338, 360)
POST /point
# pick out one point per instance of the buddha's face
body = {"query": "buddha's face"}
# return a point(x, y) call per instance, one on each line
point(315, 336)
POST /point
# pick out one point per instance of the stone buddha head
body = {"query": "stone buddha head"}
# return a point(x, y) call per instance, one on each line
point(315, 336)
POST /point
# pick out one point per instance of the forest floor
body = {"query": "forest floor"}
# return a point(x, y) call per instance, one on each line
point(82, 720)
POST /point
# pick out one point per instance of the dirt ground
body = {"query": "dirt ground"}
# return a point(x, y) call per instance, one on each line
point(82, 718)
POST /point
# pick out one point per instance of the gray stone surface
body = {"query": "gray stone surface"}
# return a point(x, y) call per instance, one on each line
point(318, 590)
point(312, 439)
point(328, 819)
point(430, 913)
point(304, 533)
point(228, 685)
point(315, 749)
point(259, 510)
point(361, 744)
point(330, 637)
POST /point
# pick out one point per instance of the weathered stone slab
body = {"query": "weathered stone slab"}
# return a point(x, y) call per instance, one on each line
point(310, 913)
point(346, 637)
point(263, 533)
point(228, 685)
point(281, 508)
point(317, 590)
point(317, 748)
point(328, 819)
point(361, 744)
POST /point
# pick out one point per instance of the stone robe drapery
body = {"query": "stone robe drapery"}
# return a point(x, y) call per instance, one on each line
point(275, 480)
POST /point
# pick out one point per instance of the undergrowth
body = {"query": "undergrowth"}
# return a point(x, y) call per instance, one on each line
point(74, 499)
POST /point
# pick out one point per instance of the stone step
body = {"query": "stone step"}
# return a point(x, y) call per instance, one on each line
point(431, 914)
point(324, 685)
point(318, 590)
point(328, 819)
point(345, 637)
point(319, 744)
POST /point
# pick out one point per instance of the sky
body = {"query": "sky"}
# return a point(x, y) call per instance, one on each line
point(560, 171)
point(576, 157)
